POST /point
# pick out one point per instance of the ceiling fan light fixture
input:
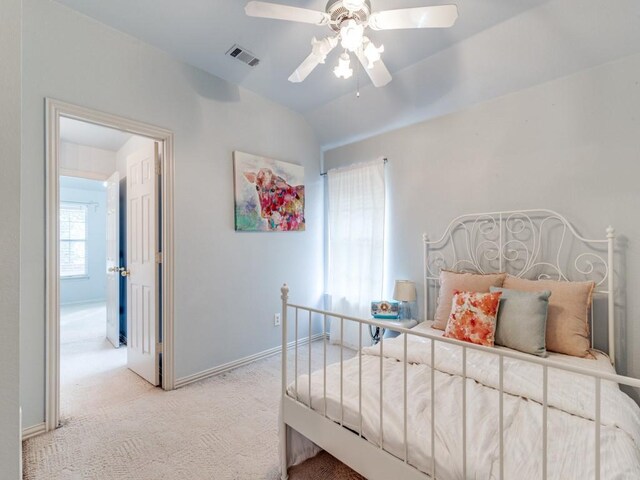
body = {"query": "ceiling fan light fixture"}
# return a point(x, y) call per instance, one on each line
point(348, 19)
point(321, 48)
point(351, 34)
point(371, 52)
point(343, 70)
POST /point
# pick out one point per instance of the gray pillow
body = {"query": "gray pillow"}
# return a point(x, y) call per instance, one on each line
point(522, 320)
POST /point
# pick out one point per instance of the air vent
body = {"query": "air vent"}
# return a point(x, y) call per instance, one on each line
point(243, 55)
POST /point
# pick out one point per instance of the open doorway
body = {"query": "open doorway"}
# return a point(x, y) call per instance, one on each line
point(109, 275)
point(93, 237)
point(86, 355)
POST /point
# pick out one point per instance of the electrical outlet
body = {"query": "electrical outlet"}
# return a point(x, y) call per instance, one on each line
point(276, 319)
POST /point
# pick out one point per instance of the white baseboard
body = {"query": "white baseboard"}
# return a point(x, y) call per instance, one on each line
point(31, 432)
point(225, 367)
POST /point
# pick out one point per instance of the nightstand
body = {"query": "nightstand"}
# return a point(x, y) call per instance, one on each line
point(375, 331)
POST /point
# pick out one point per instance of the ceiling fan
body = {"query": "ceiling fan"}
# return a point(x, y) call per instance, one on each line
point(349, 19)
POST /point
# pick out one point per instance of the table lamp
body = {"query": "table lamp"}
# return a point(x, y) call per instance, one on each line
point(404, 291)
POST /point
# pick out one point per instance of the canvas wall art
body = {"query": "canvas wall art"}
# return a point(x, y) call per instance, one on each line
point(269, 194)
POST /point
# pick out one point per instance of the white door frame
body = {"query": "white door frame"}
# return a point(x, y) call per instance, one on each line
point(54, 110)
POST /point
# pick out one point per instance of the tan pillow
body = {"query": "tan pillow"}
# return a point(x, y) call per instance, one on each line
point(568, 313)
point(464, 282)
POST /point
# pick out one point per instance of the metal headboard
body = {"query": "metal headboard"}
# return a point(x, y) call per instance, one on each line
point(533, 244)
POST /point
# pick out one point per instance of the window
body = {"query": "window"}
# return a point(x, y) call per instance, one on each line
point(73, 240)
point(356, 242)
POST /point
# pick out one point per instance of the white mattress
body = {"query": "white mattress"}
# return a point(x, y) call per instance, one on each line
point(571, 426)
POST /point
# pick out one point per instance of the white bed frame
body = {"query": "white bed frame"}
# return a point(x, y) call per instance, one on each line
point(527, 243)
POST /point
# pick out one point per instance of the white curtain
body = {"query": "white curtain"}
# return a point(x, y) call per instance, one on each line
point(356, 221)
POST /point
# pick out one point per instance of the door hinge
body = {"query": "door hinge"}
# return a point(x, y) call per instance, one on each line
point(159, 257)
point(158, 167)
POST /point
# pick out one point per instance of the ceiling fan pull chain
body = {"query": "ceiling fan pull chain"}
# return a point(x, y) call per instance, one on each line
point(357, 81)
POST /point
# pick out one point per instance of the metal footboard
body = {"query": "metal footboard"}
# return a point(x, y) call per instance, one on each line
point(300, 311)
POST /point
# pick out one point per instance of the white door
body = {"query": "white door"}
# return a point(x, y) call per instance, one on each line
point(113, 259)
point(142, 270)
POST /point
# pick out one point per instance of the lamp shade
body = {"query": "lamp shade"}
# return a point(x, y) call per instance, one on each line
point(404, 291)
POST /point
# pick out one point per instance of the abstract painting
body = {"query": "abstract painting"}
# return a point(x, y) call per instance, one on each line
point(269, 194)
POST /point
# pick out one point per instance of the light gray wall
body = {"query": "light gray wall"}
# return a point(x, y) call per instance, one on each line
point(571, 145)
point(10, 131)
point(227, 284)
point(93, 287)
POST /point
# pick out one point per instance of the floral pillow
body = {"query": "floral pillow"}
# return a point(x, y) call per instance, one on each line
point(473, 317)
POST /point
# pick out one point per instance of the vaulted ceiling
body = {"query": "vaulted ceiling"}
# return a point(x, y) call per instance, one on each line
point(496, 47)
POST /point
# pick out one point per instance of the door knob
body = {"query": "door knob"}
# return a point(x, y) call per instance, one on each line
point(113, 269)
point(124, 272)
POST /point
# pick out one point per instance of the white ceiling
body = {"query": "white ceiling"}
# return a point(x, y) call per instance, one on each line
point(200, 32)
point(556, 39)
point(495, 48)
point(91, 135)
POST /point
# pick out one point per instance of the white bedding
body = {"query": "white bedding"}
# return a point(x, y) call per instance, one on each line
point(571, 426)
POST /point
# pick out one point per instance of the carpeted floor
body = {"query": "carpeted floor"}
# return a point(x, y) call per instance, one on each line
point(117, 426)
point(323, 466)
point(90, 365)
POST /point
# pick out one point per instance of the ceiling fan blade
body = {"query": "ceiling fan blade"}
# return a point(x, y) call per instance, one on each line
point(285, 12)
point(305, 68)
point(442, 16)
point(378, 73)
point(320, 49)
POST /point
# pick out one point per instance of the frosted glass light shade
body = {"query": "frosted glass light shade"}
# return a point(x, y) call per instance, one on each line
point(343, 70)
point(353, 5)
point(351, 33)
point(404, 291)
point(372, 52)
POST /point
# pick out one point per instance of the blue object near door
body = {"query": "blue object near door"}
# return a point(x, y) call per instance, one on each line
point(123, 260)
